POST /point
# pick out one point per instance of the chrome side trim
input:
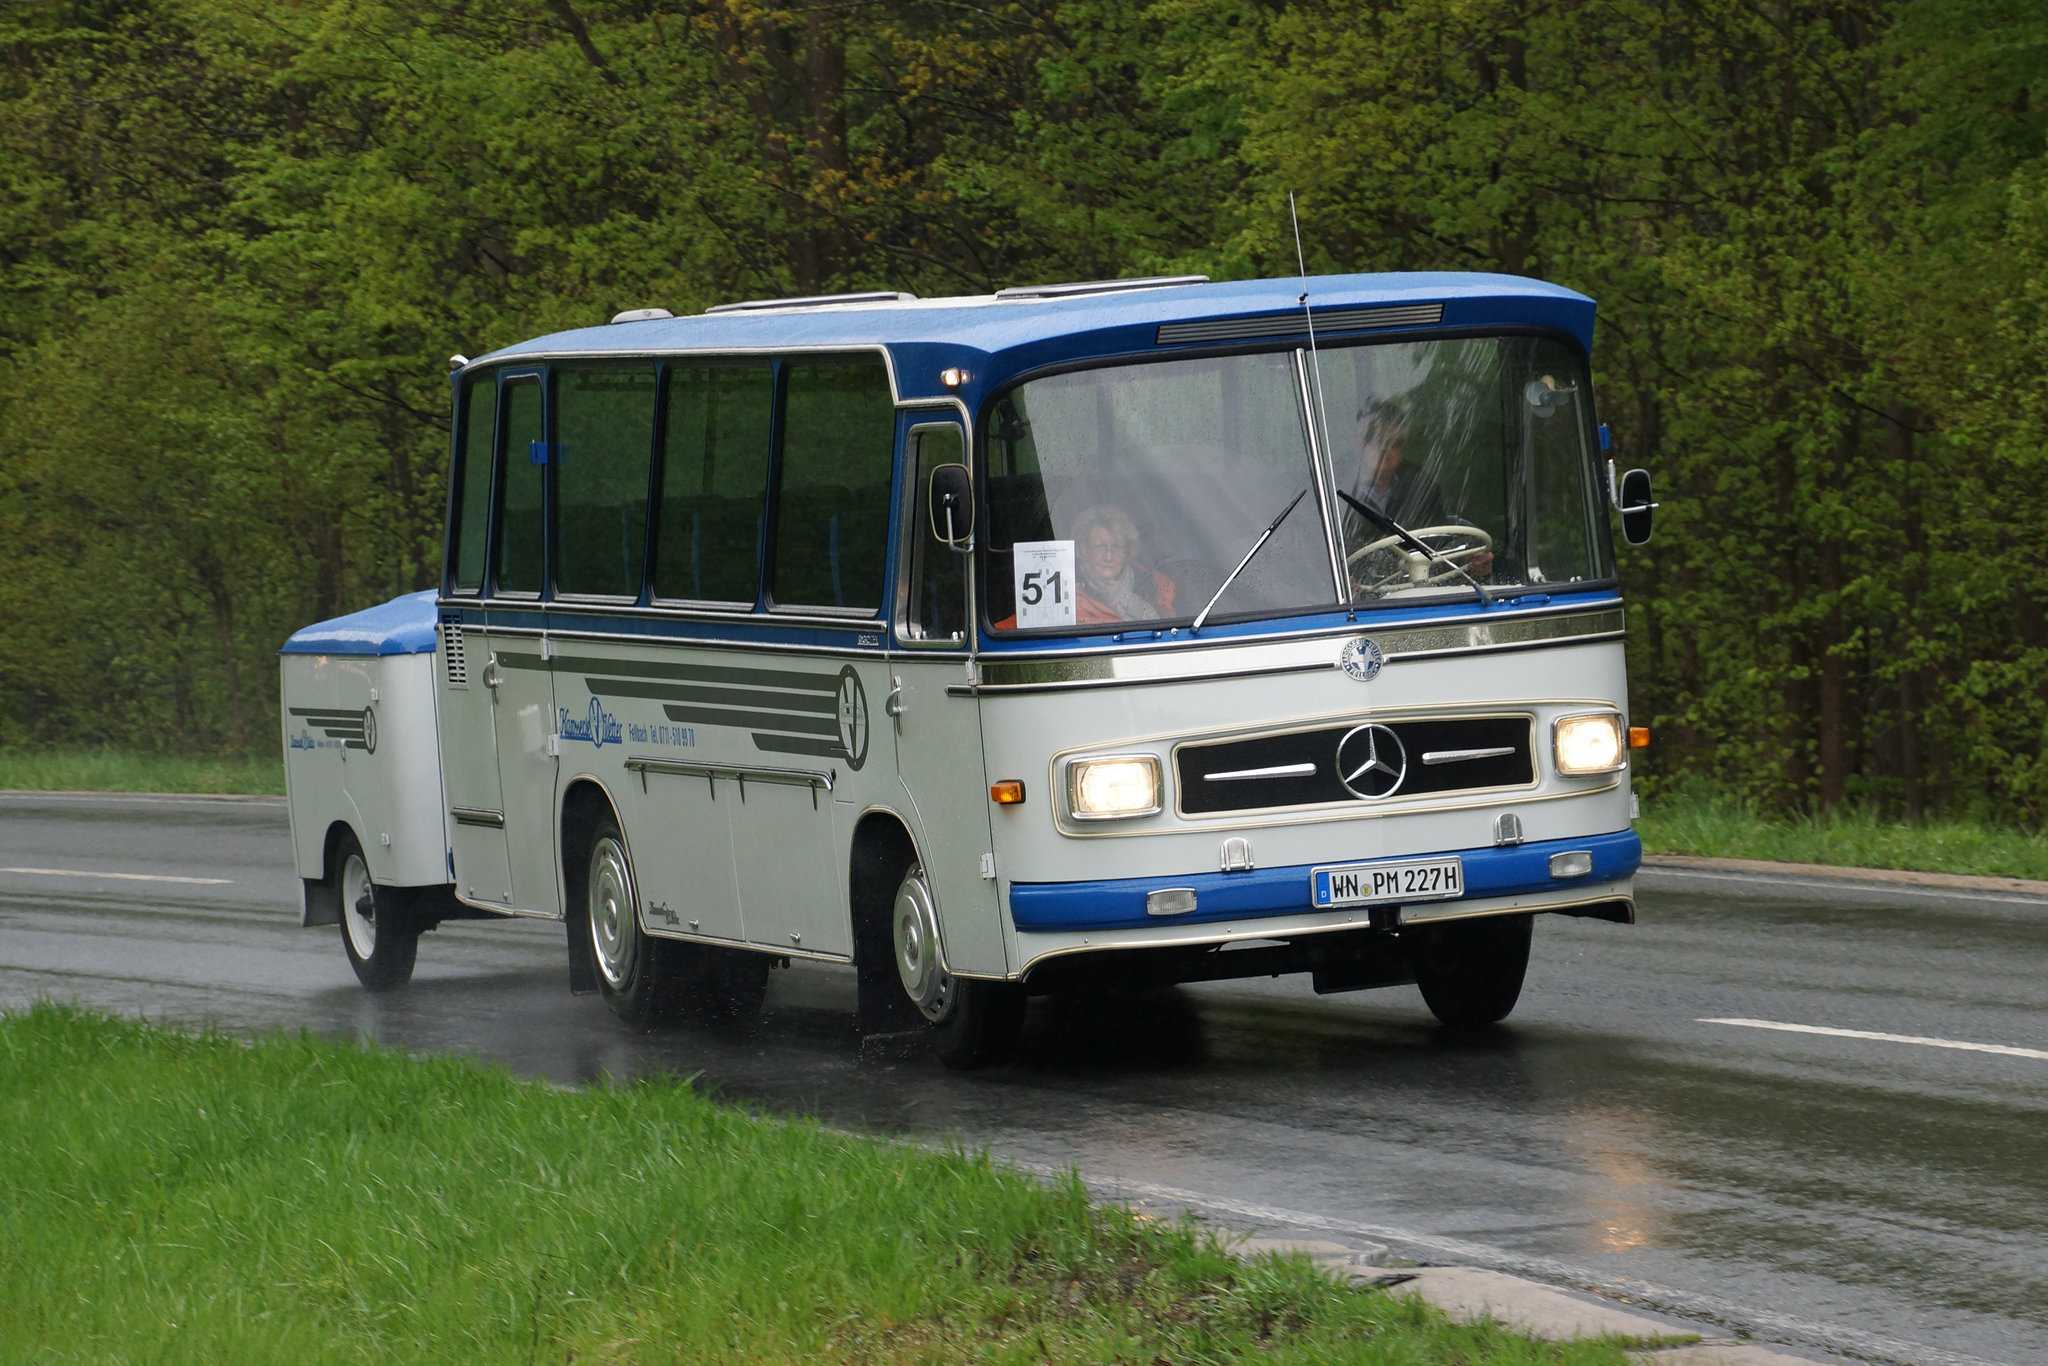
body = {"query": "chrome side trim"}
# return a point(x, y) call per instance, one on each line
point(812, 778)
point(1460, 637)
point(476, 815)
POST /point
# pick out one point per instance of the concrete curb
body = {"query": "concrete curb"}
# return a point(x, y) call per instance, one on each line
point(1470, 1294)
point(1961, 882)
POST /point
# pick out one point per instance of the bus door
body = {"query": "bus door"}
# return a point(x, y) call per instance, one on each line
point(935, 718)
point(501, 711)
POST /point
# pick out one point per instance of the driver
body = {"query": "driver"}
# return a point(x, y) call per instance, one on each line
point(1385, 481)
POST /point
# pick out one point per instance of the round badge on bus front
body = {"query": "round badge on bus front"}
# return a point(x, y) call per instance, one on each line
point(1371, 761)
point(853, 718)
point(369, 730)
point(1362, 659)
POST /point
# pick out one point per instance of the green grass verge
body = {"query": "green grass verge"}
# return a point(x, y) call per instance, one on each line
point(113, 770)
point(1719, 826)
point(171, 1198)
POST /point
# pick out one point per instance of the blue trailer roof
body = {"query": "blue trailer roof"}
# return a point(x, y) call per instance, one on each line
point(403, 626)
point(995, 339)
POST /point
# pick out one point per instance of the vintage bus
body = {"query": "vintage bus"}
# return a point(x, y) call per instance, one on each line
point(1077, 637)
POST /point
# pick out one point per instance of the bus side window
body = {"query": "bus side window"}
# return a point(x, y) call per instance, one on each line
point(938, 573)
point(714, 482)
point(472, 479)
point(832, 499)
point(604, 437)
point(520, 540)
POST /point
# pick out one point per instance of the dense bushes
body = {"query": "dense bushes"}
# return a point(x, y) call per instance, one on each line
point(239, 240)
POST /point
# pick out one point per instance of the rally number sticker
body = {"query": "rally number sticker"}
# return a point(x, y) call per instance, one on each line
point(1045, 583)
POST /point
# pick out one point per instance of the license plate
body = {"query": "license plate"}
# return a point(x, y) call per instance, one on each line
point(1372, 884)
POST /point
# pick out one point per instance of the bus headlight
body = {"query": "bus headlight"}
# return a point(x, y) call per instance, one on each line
point(1113, 788)
point(1588, 744)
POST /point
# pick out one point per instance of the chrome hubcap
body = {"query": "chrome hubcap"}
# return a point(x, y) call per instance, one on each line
point(919, 963)
point(358, 906)
point(614, 932)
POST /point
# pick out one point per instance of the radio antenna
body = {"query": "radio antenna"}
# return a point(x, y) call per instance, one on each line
point(1315, 359)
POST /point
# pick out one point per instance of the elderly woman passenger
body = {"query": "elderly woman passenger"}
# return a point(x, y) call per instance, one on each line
point(1113, 585)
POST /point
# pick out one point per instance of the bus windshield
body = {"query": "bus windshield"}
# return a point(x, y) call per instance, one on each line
point(1126, 495)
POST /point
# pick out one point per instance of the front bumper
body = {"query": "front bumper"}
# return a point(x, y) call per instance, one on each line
point(1490, 874)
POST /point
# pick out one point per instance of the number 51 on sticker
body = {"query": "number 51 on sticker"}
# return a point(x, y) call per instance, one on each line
point(1045, 583)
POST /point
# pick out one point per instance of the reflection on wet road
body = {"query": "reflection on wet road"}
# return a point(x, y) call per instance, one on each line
point(1875, 1197)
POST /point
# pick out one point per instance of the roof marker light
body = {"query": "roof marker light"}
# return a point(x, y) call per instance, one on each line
point(952, 377)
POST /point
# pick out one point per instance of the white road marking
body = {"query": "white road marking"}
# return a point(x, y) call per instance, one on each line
point(123, 877)
point(2005, 1050)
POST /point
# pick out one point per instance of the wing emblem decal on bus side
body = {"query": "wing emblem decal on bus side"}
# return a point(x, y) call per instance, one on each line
point(787, 711)
point(853, 717)
point(1362, 659)
point(342, 729)
point(1371, 761)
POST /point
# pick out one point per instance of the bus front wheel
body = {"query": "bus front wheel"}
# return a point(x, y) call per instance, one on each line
point(973, 1022)
point(380, 939)
point(1470, 971)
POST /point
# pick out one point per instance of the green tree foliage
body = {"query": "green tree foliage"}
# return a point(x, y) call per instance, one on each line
point(237, 242)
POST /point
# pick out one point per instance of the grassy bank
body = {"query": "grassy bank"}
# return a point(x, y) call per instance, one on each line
point(172, 1198)
point(113, 770)
point(1719, 826)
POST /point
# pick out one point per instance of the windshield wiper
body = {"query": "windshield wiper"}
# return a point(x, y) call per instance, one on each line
point(1264, 537)
point(1394, 528)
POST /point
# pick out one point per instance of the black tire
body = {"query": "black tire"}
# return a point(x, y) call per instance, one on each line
point(1471, 971)
point(973, 1023)
point(983, 1024)
point(379, 937)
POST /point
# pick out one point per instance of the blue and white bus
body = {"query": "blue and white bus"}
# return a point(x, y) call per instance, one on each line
point(1083, 636)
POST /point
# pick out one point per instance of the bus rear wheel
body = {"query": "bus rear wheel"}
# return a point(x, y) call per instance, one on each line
point(973, 1022)
point(1471, 971)
point(381, 941)
point(647, 980)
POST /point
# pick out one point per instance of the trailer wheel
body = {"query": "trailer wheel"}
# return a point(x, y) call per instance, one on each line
point(1471, 971)
point(973, 1023)
point(380, 939)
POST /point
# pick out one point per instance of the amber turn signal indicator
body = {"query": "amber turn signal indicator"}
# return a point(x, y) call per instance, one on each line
point(1006, 793)
point(1638, 737)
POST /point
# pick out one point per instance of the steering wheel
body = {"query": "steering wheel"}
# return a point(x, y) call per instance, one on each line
point(1417, 570)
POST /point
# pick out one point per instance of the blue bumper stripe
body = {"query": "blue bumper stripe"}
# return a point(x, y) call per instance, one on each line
point(1119, 903)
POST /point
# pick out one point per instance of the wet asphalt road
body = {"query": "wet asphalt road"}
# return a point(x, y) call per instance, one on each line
point(1881, 1200)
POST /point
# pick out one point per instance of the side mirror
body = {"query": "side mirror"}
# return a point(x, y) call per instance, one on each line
point(1636, 507)
point(951, 500)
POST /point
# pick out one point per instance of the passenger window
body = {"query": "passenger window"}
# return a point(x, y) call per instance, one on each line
point(832, 500)
point(938, 573)
point(604, 437)
point(472, 477)
point(520, 543)
point(714, 482)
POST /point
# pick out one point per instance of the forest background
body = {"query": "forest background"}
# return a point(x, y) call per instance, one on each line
point(239, 239)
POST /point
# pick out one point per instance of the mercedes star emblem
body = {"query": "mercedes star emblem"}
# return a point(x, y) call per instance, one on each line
point(1371, 761)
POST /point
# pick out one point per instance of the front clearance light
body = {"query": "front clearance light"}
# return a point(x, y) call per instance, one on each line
point(1114, 788)
point(1588, 744)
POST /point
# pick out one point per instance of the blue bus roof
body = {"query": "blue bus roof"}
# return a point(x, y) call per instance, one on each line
point(994, 339)
point(403, 626)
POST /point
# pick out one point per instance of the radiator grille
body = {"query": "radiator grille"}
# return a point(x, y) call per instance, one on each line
point(451, 651)
point(1441, 756)
point(1293, 324)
